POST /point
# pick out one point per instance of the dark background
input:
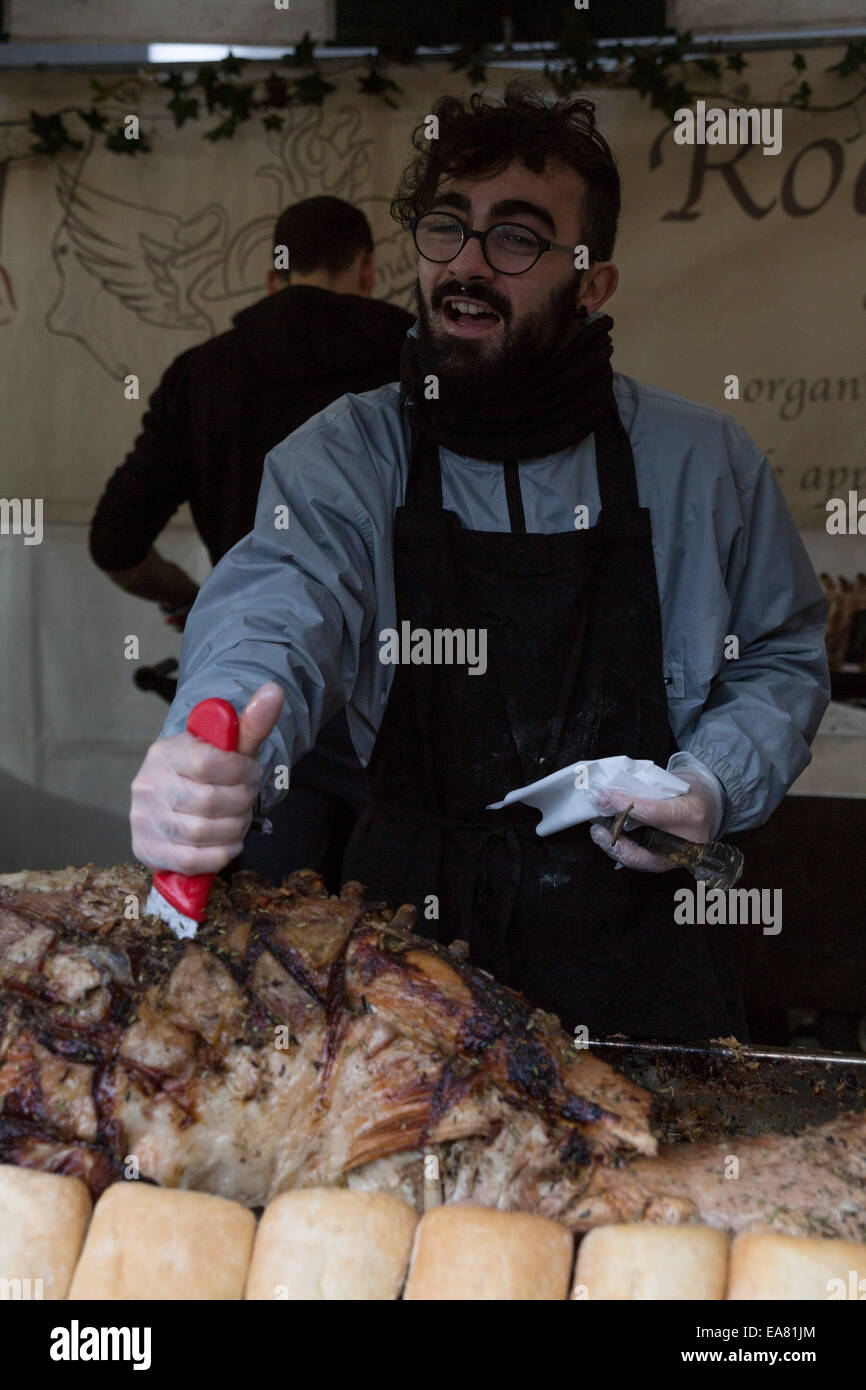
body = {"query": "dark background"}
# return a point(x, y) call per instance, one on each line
point(480, 21)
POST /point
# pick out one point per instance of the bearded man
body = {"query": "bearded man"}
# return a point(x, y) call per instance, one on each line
point(604, 539)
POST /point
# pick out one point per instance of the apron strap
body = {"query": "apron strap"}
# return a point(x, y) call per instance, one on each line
point(424, 484)
point(614, 460)
point(516, 515)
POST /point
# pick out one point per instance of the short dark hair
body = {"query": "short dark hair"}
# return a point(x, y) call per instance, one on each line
point(322, 234)
point(479, 136)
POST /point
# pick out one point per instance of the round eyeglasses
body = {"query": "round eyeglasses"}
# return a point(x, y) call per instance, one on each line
point(508, 247)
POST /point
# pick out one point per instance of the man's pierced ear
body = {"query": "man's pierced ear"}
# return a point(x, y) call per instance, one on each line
point(582, 312)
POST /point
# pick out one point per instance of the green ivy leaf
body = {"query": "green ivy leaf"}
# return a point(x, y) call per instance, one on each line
point(231, 65)
point(224, 131)
point(97, 120)
point(207, 79)
point(798, 62)
point(304, 54)
point(398, 47)
point(649, 75)
point(51, 135)
point(183, 109)
point(276, 90)
point(853, 60)
point(470, 61)
point(101, 90)
point(244, 101)
point(117, 142)
point(273, 122)
point(736, 63)
point(375, 84)
point(312, 89)
point(222, 94)
point(676, 52)
point(237, 98)
point(671, 99)
point(800, 98)
point(710, 66)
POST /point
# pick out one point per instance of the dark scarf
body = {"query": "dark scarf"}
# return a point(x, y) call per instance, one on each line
point(538, 413)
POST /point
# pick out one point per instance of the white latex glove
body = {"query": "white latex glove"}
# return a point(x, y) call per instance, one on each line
point(192, 804)
point(693, 815)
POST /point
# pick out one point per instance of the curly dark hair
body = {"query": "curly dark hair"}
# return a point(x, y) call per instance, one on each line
point(480, 136)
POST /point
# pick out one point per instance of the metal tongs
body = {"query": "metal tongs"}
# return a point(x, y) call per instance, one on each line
point(716, 864)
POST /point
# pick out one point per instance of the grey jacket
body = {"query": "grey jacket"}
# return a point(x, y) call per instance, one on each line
point(303, 598)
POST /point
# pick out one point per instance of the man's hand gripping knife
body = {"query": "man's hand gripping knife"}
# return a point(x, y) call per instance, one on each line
point(694, 815)
point(192, 803)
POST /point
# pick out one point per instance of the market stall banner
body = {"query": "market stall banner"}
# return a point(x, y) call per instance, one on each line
point(742, 274)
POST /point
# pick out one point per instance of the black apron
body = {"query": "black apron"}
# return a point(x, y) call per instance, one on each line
point(311, 826)
point(574, 672)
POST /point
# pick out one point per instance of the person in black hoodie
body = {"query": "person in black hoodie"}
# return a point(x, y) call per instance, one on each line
point(218, 410)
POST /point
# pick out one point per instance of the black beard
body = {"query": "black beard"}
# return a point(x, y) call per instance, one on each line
point(469, 376)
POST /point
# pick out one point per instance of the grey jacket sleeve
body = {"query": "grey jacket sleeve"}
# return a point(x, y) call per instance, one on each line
point(764, 707)
point(293, 601)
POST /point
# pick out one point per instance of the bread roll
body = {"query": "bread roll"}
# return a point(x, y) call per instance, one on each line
point(157, 1242)
point(646, 1261)
point(332, 1243)
point(767, 1265)
point(43, 1218)
point(467, 1252)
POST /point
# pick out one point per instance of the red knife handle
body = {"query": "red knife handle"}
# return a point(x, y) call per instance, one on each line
point(216, 722)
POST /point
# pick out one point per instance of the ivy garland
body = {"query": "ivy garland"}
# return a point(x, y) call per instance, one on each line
point(661, 72)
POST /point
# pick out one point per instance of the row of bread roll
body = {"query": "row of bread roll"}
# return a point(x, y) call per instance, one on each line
point(139, 1241)
point(647, 1261)
point(146, 1242)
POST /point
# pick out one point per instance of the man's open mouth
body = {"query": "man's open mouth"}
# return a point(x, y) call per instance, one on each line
point(470, 315)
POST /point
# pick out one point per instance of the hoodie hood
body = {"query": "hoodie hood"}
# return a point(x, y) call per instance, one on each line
point(306, 333)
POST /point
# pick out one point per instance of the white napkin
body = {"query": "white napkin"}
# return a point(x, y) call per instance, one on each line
point(562, 803)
